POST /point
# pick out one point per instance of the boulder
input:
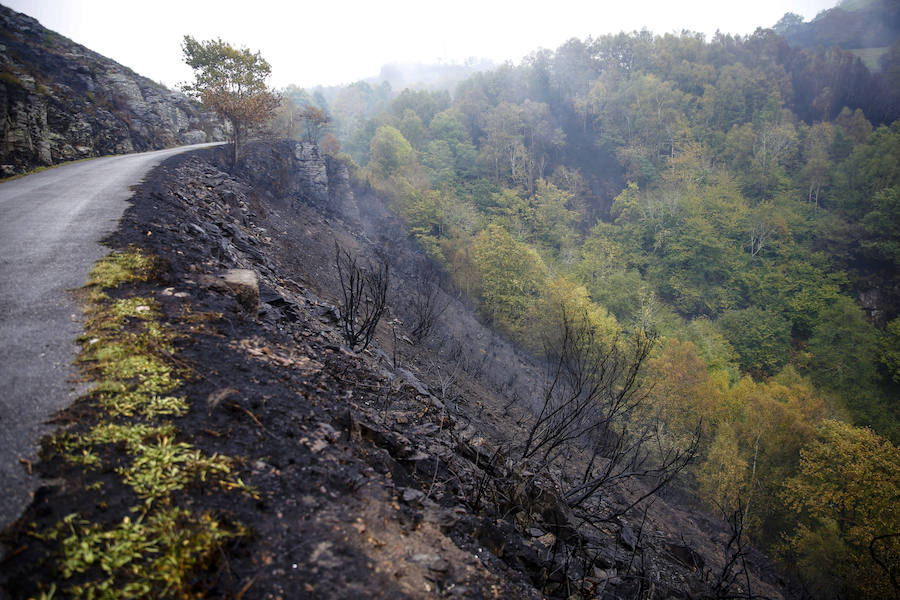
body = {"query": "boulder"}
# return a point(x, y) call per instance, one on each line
point(245, 285)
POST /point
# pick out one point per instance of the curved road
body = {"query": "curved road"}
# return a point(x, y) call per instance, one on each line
point(50, 227)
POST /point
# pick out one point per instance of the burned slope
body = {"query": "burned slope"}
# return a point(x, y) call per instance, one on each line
point(384, 473)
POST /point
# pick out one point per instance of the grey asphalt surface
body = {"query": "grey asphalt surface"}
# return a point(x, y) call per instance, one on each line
point(51, 224)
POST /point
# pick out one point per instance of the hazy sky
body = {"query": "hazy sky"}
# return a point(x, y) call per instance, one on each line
point(311, 42)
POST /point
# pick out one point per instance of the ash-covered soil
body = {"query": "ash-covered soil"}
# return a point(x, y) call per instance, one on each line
point(380, 474)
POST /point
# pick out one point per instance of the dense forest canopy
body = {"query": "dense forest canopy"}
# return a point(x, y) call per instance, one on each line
point(739, 197)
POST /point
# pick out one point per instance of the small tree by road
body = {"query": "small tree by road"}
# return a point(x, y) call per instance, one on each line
point(232, 82)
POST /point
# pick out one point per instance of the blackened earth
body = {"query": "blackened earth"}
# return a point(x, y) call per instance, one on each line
point(379, 474)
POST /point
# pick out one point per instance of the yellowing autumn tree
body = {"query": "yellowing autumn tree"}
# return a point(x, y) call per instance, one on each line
point(315, 123)
point(683, 393)
point(845, 495)
point(755, 448)
point(232, 82)
point(560, 300)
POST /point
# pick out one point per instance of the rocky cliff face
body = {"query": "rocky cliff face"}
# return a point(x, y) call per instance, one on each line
point(291, 169)
point(60, 101)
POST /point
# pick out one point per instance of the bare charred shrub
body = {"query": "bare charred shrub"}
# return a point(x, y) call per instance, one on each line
point(364, 297)
point(426, 304)
point(733, 579)
point(629, 457)
point(447, 377)
point(588, 455)
point(590, 385)
point(452, 350)
point(592, 389)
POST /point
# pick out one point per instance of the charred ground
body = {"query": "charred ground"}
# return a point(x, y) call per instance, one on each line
point(377, 474)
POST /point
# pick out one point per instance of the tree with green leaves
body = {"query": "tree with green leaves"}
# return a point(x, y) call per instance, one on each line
point(882, 229)
point(761, 338)
point(232, 82)
point(512, 275)
point(843, 349)
point(390, 153)
point(889, 343)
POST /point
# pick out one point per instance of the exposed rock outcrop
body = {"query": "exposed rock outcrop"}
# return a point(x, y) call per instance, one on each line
point(299, 171)
point(60, 101)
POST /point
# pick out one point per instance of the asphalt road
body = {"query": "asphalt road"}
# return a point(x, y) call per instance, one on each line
point(51, 224)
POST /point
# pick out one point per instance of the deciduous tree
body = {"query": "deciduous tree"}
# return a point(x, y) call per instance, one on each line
point(315, 123)
point(845, 494)
point(512, 275)
point(562, 297)
point(389, 152)
point(232, 82)
point(761, 338)
point(682, 394)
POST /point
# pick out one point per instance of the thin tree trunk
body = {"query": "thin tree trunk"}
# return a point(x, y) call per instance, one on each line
point(236, 134)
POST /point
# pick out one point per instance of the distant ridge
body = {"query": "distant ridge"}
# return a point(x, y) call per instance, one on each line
point(443, 76)
point(852, 25)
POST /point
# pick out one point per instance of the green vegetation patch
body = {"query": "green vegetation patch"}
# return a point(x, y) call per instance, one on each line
point(164, 466)
point(120, 267)
point(151, 556)
point(10, 79)
point(128, 353)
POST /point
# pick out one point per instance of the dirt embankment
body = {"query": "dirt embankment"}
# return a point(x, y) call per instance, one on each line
point(381, 474)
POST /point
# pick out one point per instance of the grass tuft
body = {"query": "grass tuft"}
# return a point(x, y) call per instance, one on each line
point(122, 267)
point(154, 555)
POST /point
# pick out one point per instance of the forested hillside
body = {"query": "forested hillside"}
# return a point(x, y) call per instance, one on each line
point(852, 24)
point(737, 197)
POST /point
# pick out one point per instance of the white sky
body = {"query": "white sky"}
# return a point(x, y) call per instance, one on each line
point(329, 42)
